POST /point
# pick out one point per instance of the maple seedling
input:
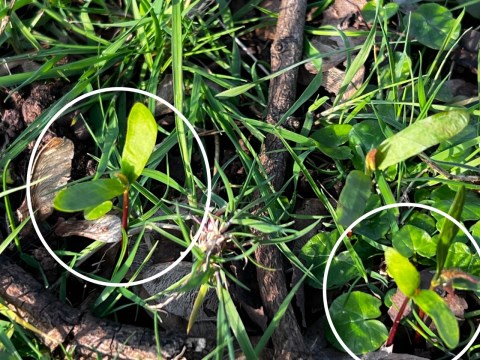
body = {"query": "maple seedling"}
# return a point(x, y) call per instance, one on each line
point(94, 197)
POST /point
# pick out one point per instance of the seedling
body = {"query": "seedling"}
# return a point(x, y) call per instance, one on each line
point(407, 279)
point(94, 197)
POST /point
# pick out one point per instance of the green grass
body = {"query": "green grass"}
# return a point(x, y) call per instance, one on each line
point(223, 92)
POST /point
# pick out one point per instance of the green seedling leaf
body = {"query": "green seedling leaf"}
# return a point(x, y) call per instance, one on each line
point(353, 198)
point(410, 240)
point(79, 197)
point(374, 227)
point(422, 221)
point(354, 317)
point(434, 306)
point(430, 24)
point(449, 230)
point(402, 271)
point(330, 138)
point(98, 211)
point(139, 142)
point(419, 136)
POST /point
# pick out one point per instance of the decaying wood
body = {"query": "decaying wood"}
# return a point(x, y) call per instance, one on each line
point(286, 50)
point(87, 336)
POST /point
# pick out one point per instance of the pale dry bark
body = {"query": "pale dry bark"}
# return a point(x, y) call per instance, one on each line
point(286, 50)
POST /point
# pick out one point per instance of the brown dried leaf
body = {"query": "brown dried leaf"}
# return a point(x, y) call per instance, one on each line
point(107, 229)
point(52, 168)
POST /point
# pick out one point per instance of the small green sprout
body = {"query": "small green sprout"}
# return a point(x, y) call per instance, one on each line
point(94, 197)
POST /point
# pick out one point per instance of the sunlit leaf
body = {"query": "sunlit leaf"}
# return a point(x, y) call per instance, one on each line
point(402, 271)
point(446, 323)
point(98, 211)
point(420, 136)
point(139, 142)
point(81, 196)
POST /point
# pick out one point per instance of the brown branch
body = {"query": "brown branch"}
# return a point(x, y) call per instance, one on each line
point(286, 50)
point(88, 337)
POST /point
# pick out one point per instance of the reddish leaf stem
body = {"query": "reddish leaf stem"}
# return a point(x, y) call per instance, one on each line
point(398, 318)
point(125, 210)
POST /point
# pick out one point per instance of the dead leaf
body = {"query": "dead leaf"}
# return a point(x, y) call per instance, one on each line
point(52, 168)
point(107, 229)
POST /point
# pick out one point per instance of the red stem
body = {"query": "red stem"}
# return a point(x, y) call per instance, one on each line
point(398, 318)
point(125, 211)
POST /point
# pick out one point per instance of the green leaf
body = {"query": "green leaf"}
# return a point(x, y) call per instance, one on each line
point(461, 257)
point(434, 306)
point(449, 230)
point(353, 315)
point(420, 136)
point(410, 240)
point(353, 198)
point(422, 221)
point(431, 23)
point(402, 271)
point(443, 199)
point(139, 142)
point(385, 12)
point(329, 138)
point(96, 212)
point(202, 292)
point(79, 197)
point(376, 226)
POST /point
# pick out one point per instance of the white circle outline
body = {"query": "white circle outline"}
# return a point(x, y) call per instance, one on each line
point(355, 223)
point(207, 203)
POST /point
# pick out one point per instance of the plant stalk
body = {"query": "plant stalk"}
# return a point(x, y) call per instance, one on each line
point(398, 318)
point(125, 210)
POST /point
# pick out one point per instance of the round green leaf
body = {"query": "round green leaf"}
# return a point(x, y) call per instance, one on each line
point(139, 142)
point(411, 240)
point(402, 271)
point(446, 323)
point(329, 138)
point(431, 23)
point(79, 197)
point(96, 212)
point(420, 136)
point(353, 316)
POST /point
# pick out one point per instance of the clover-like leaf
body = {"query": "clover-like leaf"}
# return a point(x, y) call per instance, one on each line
point(354, 317)
point(431, 23)
point(139, 142)
point(90, 194)
point(446, 323)
point(330, 138)
point(402, 270)
point(420, 136)
point(410, 240)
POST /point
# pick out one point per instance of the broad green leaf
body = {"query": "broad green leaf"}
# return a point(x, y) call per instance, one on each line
point(354, 317)
point(376, 226)
point(316, 252)
point(79, 197)
point(139, 142)
point(422, 221)
point(410, 240)
point(420, 136)
point(403, 272)
point(434, 306)
point(353, 198)
point(96, 212)
point(329, 138)
point(385, 12)
point(443, 199)
point(430, 24)
point(449, 230)
point(461, 257)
